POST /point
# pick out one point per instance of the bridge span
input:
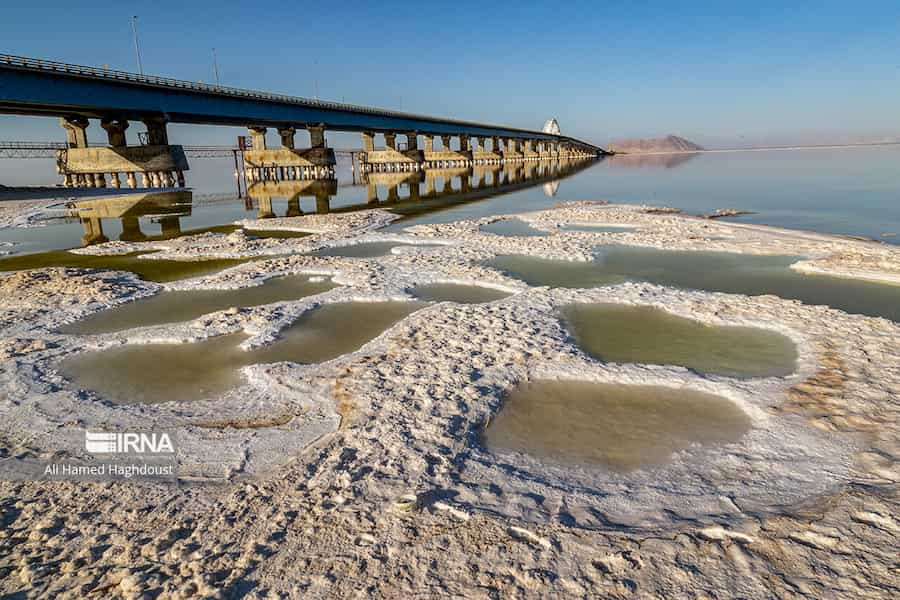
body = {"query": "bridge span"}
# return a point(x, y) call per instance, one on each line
point(77, 94)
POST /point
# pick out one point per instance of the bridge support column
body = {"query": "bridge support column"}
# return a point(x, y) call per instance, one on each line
point(288, 162)
point(115, 132)
point(76, 134)
point(88, 166)
point(316, 136)
point(412, 140)
point(368, 139)
point(429, 143)
point(390, 141)
point(287, 137)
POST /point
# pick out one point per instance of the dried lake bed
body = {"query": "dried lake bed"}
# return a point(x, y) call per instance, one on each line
point(367, 473)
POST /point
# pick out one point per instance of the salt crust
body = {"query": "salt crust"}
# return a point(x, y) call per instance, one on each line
point(404, 412)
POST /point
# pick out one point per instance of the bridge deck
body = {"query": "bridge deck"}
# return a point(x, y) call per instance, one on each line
point(39, 87)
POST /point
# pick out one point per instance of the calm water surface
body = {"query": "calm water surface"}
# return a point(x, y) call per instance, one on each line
point(176, 306)
point(617, 427)
point(713, 271)
point(648, 335)
point(154, 373)
point(852, 191)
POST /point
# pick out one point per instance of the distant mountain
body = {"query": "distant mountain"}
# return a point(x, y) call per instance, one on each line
point(670, 143)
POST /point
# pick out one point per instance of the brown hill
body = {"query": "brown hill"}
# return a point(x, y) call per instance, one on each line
point(670, 143)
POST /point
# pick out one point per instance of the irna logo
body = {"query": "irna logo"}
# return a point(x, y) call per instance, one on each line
point(128, 443)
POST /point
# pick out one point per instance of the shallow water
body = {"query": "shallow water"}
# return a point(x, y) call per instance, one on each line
point(598, 228)
point(154, 373)
point(647, 335)
point(279, 234)
point(712, 271)
point(334, 329)
point(146, 268)
point(851, 190)
point(364, 250)
point(513, 228)
point(455, 292)
point(177, 306)
point(617, 427)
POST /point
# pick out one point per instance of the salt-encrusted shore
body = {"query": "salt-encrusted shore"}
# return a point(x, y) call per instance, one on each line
point(291, 481)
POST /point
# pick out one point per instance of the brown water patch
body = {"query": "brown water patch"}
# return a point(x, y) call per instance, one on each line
point(455, 292)
point(618, 427)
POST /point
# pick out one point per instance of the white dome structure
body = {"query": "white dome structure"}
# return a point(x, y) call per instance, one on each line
point(551, 127)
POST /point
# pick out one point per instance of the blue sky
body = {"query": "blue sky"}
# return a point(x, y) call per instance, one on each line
point(716, 72)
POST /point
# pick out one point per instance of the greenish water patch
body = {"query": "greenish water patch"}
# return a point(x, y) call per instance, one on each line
point(712, 271)
point(598, 228)
point(177, 306)
point(617, 427)
point(647, 335)
point(154, 373)
point(513, 228)
point(365, 250)
point(146, 268)
point(455, 292)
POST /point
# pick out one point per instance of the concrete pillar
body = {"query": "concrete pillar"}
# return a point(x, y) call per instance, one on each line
point(414, 190)
point(528, 145)
point(287, 137)
point(293, 207)
point(257, 137)
point(368, 140)
point(316, 135)
point(393, 193)
point(157, 135)
point(390, 141)
point(464, 143)
point(323, 203)
point(412, 141)
point(429, 143)
point(76, 136)
point(170, 226)
point(371, 193)
point(93, 232)
point(264, 208)
point(445, 140)
point(115, 131)
point(131, 230)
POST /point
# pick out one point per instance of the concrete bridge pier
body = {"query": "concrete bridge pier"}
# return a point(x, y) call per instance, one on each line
point(512, 152)
point(288, 162)
point(391, 159)
point(83, 166)
point(93, 231)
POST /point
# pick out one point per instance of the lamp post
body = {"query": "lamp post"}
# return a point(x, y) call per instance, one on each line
point(215, 66)
point(137, 45)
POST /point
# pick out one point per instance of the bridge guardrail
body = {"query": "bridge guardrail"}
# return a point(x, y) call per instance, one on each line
point(25, 62)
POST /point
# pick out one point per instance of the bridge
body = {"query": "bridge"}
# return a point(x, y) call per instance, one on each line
point(76, 94)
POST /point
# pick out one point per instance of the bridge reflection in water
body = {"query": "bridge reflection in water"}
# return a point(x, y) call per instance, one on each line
point(411, 193)
point(406, 193)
